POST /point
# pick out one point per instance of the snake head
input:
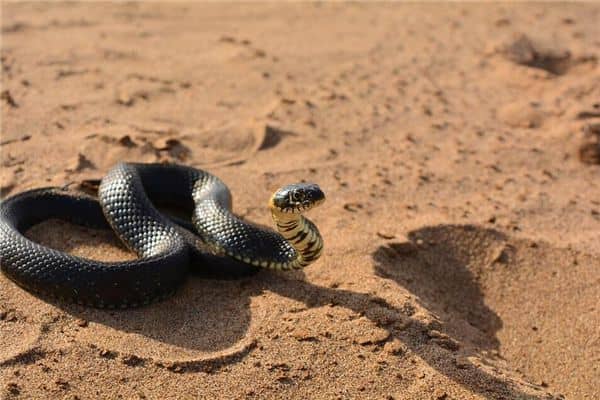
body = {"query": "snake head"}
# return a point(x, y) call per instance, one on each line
point(297, 198)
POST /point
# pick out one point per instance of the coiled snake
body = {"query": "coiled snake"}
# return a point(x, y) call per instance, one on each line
point(222, 244)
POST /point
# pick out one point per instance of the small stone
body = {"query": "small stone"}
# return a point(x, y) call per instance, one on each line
point(353, 207)
point(443, 340)
point(107, 354)
point(273, 135)
point(173, 146)
point(374, 336)
point(125, 99)
point(165, 143)
point(449, 343)
point(386, 235)
point(81, 322)
point(462, 363)
point(395, 347)
point(8, 316)
point(126, 141)
point(176, 368)
point(303, 335)
point(80, 163)
point(436, 334)
point(501, 255)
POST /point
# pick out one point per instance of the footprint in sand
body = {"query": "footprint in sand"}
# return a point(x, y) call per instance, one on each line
point(491, 291)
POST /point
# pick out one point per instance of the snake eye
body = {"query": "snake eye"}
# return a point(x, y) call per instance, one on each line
point(298, 196)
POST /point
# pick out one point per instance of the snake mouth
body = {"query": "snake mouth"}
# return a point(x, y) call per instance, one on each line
point(297, 198)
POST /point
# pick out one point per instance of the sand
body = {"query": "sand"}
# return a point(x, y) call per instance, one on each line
point(458, 146)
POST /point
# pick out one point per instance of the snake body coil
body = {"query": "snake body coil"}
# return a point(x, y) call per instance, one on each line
point(222, 244)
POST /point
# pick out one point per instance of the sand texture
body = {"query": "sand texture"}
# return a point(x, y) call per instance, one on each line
point(459, 148)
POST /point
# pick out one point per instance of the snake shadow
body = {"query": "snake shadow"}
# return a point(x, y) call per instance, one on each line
point(205, 315)
point(443, 277)
point(209, 315)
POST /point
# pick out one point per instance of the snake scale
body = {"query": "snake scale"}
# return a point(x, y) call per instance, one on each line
point(128, 196)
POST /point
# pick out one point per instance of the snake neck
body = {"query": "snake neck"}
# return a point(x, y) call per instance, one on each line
point(302, 235)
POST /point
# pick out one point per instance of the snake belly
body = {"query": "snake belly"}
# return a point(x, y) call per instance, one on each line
point(222, 244)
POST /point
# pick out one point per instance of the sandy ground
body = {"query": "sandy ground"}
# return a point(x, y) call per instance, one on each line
point(462, 223)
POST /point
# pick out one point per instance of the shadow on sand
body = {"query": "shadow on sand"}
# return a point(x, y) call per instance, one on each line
point(439, 265)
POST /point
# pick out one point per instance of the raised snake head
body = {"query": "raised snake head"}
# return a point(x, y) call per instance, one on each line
point(297, 198)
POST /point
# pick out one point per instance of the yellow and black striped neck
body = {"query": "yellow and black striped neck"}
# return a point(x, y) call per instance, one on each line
point(302, 235)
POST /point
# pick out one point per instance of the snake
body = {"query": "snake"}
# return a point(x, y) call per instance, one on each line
point(128, 201)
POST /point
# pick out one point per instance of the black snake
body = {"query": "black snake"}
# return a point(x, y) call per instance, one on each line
point(126, 202)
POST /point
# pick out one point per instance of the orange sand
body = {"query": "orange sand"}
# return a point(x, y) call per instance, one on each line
point(461, 228)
